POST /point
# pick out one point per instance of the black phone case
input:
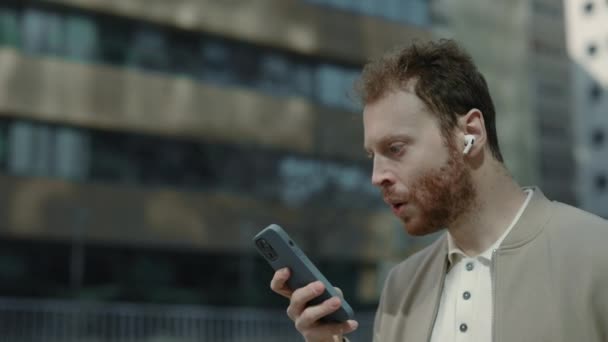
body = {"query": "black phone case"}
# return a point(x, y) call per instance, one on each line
point(284, 252)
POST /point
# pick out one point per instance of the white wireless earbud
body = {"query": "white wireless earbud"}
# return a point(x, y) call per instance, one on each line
point(469, 140)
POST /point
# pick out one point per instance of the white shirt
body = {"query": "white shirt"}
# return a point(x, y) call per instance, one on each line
point(465, 308)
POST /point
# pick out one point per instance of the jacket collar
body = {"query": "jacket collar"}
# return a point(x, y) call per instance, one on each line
point(531, 222)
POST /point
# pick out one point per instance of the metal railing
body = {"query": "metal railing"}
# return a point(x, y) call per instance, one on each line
point(76, 321)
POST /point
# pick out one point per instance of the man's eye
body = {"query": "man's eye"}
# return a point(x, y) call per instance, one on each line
point(395, 149)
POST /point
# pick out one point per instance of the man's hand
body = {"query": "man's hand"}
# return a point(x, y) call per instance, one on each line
point(306, 319)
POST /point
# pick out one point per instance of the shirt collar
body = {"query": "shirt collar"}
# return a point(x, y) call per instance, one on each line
point(455, 253)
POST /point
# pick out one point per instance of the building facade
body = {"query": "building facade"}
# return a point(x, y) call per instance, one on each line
point(587, 36)
point(521, 48)
point(143, 144)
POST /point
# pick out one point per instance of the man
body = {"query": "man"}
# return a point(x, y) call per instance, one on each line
point(511, 265)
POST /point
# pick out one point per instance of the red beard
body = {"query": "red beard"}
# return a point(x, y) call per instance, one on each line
point(440, 196)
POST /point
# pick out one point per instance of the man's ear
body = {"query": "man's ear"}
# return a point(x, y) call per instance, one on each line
point(473, 128)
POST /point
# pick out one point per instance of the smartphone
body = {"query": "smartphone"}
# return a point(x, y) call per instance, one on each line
point(280, 251)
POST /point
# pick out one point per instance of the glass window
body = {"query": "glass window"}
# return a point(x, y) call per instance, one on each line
point(392, 9)
point(81, 38)
point(328, 84)
point(601, 182)
point(49, 151)
point(348, 81)
point(32, 269)
point(43, 32)
point(335, 86)
point(88, 37)
point(597, 137)
point(3, 144)
point(276, 73)
point(411, 11)
point(72, 152)
point(302, 78)
point(595, 92)
point(42, 156)
point(547, 9)
point(550, 90)
point(9, 27)
point(114, 41)
point(22, 148)
point(306, 181)
point(153, 275)
point(591, 49)
point(416, 11)
point(217, 61)
point(368, 7)
point(340, 3)
point(185, 58)
point(110, 160)
point(148, 49)
point(246, 61)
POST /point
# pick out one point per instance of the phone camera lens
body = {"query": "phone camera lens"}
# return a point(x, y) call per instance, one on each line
point(291, 243)
point(266, 249)
point(262, 244)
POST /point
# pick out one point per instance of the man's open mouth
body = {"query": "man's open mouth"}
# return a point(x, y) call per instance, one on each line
point(397, 206)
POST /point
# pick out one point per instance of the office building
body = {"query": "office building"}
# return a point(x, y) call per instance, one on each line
point(143, 144)
point(520, 46)
point(587, 36)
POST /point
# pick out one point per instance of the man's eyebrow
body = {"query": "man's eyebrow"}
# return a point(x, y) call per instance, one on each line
point(396, 137)
point(391, 137)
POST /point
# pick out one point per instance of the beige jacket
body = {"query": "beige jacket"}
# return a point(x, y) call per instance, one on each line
point(550, 281)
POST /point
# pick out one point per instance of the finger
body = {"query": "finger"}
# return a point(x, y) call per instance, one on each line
point(312, 314)
point(339, 292)
point(350, 326)
point(278, 282)
point(334, 329)
point(344, 327)
point(301, 296)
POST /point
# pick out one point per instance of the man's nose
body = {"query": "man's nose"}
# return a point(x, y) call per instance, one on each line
point(381, 175)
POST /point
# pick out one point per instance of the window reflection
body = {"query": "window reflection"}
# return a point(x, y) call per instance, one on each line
point(37, 149)
point(81, 38)
point(114, 43)
point(10, 33)
point(277, 71)
point(185, 58)
point(42, 32)
point(216, 59)
point(3, 144)
point(306, 179)
point(96, 38)
point(152, 275)
point(41, 150)
point(334, 86)
point(149, 49)
point(414, 12)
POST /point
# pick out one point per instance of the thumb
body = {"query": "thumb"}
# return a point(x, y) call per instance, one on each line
point(339, 292)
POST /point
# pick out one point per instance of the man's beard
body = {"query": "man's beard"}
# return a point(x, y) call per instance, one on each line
point(441, 196)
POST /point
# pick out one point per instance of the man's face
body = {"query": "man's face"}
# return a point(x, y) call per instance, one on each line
point(422, 175)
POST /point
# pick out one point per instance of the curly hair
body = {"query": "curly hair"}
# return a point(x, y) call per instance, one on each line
point(446, 80)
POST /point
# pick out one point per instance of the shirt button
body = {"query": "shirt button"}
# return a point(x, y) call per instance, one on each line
point(463, 327)
point(470, 266)
point(466, 295)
